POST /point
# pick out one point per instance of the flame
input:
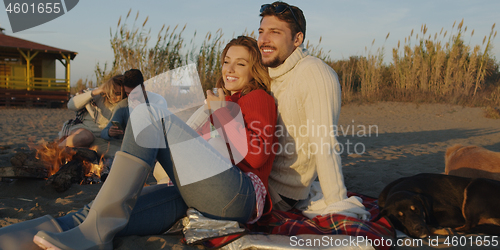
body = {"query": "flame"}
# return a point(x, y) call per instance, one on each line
point(91, 169)
point(53, 156)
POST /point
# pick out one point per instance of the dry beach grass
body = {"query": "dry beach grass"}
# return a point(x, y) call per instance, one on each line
point(443, 67)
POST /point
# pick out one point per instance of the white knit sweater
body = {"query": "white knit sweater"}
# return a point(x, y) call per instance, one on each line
point(98, 116)
point(307, 93)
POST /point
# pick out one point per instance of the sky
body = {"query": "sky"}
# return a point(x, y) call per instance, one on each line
point(346, 27)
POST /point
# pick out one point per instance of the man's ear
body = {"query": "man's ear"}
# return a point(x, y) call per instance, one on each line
point(299, 39)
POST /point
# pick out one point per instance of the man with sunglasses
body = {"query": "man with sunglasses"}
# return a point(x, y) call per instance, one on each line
point(307, 94)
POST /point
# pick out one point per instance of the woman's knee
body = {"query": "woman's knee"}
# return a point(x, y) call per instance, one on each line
point(80, 138)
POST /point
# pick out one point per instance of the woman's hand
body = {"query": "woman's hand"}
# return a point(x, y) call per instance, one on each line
point(215, 102)
point(97, 91)
point(115, 131)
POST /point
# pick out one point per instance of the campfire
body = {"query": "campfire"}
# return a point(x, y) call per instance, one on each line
point(56, 158)
point(59, 166)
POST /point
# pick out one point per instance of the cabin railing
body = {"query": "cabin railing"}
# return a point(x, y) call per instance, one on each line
point(34, 83)
point(32, 92)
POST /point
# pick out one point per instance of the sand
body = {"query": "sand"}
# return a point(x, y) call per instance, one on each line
point(392, 140)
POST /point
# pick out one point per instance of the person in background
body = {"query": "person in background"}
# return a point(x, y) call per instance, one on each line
point(94, 109)
point(132, 79)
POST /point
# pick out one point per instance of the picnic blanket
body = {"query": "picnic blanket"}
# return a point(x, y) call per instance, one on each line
point(292, 223)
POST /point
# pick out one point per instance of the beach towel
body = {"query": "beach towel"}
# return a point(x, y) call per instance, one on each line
point(293, 223)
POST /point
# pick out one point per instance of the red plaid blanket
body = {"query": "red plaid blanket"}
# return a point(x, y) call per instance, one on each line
point(294, 223)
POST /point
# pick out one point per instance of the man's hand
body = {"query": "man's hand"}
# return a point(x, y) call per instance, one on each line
point(115, 131)
point(215, 102)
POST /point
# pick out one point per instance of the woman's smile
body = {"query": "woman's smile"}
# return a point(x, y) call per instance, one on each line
point(236, 69)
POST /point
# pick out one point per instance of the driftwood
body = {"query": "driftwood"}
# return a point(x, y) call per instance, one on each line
point(26, 158)
point(25, 165)
point(23, 172)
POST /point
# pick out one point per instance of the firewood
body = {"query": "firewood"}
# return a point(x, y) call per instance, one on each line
point(84, 154)
point(25, 165)
point(69, 173)
point(25, 158)
point(38, 172)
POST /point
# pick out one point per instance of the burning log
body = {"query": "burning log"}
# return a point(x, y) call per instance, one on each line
point(60, 166)
point(73, 171)
point(68, 174)
point(84, 154)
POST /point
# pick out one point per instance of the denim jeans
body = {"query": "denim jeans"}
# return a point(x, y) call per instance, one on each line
point(227, 195)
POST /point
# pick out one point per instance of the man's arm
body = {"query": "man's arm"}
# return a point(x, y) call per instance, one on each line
point(322, 105)
point(120, 115)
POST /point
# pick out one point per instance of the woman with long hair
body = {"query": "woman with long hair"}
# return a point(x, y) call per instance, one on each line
point(94, 109)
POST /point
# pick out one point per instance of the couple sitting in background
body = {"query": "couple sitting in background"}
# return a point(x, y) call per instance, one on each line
point(133, 78)
point(305, 89)
point(95, 109)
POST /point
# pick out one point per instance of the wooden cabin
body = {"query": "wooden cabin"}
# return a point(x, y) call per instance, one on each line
point(28, 73)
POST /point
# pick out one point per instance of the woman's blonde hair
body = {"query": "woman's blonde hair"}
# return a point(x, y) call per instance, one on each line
point(111, 87)
point(261, 78)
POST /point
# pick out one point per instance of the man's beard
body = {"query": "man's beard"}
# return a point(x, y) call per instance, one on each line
point(273, 63)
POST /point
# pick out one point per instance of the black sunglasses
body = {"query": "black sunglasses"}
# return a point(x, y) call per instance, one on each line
point(279, 8)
